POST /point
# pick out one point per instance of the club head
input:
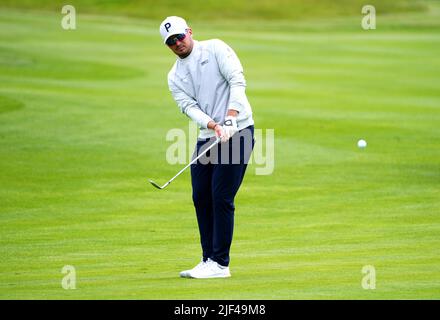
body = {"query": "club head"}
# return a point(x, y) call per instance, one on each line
point(158, 186)
point(155, 184)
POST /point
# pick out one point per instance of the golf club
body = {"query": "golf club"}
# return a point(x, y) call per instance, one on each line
point(193, 161)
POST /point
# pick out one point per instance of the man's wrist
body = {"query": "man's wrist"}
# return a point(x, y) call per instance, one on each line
point(232, 113)
point(212, 124)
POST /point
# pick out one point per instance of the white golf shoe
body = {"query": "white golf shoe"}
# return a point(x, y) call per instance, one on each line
point(210, 269)
point(186, 273)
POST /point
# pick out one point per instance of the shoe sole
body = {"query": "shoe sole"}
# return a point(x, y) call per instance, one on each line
point(211, 277)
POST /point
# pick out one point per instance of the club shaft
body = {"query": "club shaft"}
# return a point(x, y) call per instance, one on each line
point(194, 160)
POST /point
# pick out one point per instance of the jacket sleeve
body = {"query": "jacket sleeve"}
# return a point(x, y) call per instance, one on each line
point(188, 105)
point(232, 70)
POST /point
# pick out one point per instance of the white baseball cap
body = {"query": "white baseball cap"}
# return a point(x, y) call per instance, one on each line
point(172, 25)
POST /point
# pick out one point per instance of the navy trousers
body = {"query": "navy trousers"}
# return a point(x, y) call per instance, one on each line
point(216, 179)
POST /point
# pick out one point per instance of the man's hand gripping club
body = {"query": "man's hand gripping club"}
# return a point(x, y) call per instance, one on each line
point(229, 127)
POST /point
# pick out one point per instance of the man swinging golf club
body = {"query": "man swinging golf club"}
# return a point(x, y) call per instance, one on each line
point(208, 85)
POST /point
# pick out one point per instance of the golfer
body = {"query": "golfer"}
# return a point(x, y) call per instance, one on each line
point(208, 85)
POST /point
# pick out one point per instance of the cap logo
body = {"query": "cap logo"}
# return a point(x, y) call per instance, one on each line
point(167, 26)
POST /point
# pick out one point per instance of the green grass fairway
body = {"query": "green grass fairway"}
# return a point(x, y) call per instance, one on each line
point(83, 120)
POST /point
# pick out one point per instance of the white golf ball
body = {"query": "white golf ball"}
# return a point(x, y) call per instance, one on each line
point(362, 143)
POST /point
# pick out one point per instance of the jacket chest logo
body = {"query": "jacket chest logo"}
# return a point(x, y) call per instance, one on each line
point(204, 62)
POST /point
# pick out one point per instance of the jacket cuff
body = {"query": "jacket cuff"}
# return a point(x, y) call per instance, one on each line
point(198, 116)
